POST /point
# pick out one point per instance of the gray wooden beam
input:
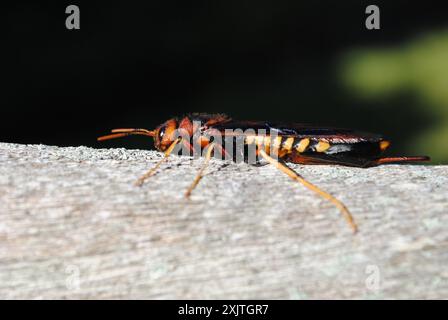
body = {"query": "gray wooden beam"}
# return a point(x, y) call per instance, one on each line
point(73, 225)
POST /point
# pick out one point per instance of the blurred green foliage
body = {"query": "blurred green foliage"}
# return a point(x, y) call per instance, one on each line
point(419, 69)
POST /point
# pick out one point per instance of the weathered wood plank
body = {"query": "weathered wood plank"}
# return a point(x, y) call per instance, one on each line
point(73, 225)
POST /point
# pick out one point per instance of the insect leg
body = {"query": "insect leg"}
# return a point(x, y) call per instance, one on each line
point(400, 159)
point(208, 155)
point(168, 151)
point(348, 217)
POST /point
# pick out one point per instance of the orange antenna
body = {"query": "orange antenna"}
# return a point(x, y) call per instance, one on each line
point(118, 133)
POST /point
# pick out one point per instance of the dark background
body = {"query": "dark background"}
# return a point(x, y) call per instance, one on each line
point(135, 64)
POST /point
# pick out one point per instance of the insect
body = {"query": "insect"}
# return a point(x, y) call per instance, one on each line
point(280, 143)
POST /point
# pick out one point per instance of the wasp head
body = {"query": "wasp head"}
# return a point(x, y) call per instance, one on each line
point(165, 135)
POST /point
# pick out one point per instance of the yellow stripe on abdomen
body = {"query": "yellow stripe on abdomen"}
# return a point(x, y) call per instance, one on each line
point(302, 145)
point(322, 146)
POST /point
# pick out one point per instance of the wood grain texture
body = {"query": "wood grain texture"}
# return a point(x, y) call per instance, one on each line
point(73, 225)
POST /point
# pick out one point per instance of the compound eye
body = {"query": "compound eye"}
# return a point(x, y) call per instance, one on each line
point(161, 133)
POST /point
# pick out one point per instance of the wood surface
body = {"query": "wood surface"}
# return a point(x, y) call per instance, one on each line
point(74, 226)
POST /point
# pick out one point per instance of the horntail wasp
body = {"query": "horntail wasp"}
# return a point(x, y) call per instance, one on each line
point(295, 143)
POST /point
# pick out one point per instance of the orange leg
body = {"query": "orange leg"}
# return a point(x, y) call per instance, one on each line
point(208, 155)
point(148, 174)
point(401, 159)
point(348, 217)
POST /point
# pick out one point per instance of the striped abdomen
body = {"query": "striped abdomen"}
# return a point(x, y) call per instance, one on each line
point(284, 145)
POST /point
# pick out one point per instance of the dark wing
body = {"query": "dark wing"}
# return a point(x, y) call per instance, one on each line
point(343, 159)
point(351, 160)
point(296, 130)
